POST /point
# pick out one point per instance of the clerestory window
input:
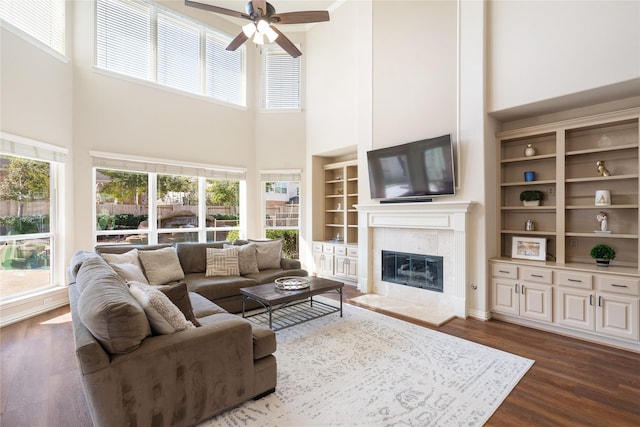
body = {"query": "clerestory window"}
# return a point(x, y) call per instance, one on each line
point(147, 41)
point(44, 21)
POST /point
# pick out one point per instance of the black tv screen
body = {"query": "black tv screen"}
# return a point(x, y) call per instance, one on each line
point(416, 170)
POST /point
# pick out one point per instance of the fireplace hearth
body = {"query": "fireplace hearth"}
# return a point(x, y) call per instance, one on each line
point(415, 270)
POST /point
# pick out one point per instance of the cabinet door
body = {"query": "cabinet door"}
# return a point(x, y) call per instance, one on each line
point(617, 315)
point(576, 308)
point(504, 298)
point(352, 269)
point(535, 301)
point(341, 266)
point(326, 264)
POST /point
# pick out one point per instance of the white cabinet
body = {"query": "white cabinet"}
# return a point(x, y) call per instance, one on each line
point(335, 261)
point(346, 263)
point(526, 293)
point(597, 305)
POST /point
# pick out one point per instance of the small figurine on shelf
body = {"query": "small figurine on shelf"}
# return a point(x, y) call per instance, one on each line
point(529, 151)
point(602, 219)
point(602, 171)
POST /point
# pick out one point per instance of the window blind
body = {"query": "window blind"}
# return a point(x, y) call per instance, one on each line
point(139, 164)
point(281, 80)
point(224, 70)
point(287, 175)
point(123, 37)
point(178, 54)
point(35, 150)
point(42, 20)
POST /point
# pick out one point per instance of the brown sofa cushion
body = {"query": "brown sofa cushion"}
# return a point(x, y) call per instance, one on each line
point(193, 256)
point(108, 310)
point(179, 296)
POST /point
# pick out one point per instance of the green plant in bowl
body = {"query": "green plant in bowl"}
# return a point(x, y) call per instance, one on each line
point(602, 254)
point(531, 197)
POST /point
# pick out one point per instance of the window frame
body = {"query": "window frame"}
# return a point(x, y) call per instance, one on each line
point(26, 35)
point(271, 51)
point(205, 32)
point(280, 176)
point(155, 167)
point(53, 294)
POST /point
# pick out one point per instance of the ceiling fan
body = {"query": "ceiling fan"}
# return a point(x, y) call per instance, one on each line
point(262, 15)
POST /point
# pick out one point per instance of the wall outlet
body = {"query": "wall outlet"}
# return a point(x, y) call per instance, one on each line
point(47, 300)
point(573, 243)
point(551, 191)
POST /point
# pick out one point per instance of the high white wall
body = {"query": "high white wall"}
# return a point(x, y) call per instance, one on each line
point(541, 50)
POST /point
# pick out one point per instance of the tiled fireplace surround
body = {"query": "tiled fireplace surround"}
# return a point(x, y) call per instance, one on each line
point(430, 228)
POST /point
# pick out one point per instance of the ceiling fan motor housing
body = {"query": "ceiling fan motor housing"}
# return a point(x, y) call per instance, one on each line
point(256, 14)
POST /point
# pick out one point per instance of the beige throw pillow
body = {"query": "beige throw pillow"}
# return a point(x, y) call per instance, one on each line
point(269, 253)
point(161, 265)
point(247, 258)
point(222, 262)
point(164, 316)
point(127, 265)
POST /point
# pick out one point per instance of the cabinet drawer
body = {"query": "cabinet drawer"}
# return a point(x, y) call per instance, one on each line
point(575, 280)
point(538, 275)
point(619, 285)
point(341, 250)
point(507, 271)
point(352, 252)
point(317, 247)
point(327, 249)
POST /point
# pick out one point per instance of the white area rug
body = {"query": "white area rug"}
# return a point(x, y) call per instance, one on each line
point(368, 369)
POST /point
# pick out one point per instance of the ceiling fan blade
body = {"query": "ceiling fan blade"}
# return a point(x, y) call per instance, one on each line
point(300, 17)
point(260, 4)
point(238, 41)
point(216, 9)
point(286, 44)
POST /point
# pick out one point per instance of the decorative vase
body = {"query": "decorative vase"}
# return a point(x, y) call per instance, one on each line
point(531, 202)
point(529, 151)
point(602, 262)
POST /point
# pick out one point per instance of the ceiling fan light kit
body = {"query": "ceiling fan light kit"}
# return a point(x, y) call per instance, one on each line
point(262, 16)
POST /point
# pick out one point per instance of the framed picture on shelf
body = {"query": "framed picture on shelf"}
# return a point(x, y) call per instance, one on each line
point(531, 248)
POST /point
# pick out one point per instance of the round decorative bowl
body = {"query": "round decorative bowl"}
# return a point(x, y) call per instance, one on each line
point(290, 283)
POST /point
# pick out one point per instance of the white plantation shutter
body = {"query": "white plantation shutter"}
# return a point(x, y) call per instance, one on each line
point(178, 54)
point(123, 37)
point(42, 19)
point(281, 80)
point(225, 70)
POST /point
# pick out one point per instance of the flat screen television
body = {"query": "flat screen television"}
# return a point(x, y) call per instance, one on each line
point(415, 171)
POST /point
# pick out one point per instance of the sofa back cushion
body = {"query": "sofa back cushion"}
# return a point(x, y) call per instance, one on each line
point(193, 256)
point(120, 249)
point(269, 253)
point(161, 266)
point(108, 310)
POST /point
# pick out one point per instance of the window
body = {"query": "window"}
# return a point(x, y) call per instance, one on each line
point(42, 20)
point(147, 41)
point(144, 206)
point(28, 212)
point(281, 200)
point(281, 80)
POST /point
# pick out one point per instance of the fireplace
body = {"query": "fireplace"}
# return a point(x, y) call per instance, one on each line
point(416, 270)
point(438, 229)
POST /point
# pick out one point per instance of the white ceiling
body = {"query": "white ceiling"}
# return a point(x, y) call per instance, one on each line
point(281, 6)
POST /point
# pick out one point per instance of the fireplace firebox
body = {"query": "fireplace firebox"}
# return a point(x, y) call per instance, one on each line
point(416, 270)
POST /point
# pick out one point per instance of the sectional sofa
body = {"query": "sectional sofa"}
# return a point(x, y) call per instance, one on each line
point(165, 354)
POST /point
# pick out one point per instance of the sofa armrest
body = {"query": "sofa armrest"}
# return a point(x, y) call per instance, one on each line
point(290, 264)
point(179, 378)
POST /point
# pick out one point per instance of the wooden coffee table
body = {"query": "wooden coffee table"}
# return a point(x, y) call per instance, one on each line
point(291, 307)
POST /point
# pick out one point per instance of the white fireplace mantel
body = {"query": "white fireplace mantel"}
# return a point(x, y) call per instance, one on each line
point(445, 216)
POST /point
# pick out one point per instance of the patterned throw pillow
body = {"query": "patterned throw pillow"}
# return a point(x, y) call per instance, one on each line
point(222, 262)
point(161, 265)
point(164, 316)
point(247, 258)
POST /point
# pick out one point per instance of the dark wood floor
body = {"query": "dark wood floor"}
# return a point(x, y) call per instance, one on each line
point(572, 383)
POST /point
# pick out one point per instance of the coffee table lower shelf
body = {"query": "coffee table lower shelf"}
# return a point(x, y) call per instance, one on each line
point(292, 314)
